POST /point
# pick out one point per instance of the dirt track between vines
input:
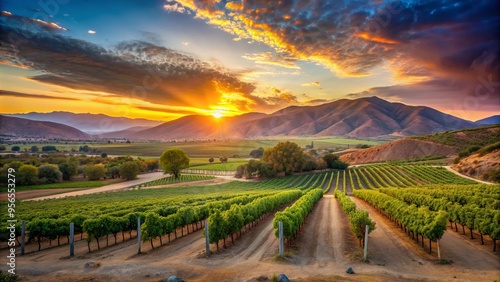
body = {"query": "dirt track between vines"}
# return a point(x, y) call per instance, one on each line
point(322, 252)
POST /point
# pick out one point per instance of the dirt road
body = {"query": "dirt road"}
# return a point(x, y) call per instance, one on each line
point(141, 178)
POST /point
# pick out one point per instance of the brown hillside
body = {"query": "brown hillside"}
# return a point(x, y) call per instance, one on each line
point(478, 165)
point(398, 150)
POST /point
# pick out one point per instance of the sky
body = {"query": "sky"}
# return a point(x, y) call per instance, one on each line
point(162, 60)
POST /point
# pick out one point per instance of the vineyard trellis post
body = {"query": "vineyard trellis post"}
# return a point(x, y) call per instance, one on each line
point(207, 239)
point(365, 253)
point(71, 239)
point(23, 233)
point(280, 232)
point(139, 234)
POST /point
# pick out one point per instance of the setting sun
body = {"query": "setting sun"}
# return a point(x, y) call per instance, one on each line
point(217, 114)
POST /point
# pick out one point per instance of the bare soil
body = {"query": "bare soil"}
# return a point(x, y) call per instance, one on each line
point(406, 148)
point(324, 249)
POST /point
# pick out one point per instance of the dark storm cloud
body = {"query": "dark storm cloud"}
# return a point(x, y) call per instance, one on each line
point(354, 37)
point(133, 69)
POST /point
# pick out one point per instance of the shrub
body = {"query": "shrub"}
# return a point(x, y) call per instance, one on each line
point(50, 173)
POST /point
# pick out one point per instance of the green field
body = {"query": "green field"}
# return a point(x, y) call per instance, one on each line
point(207, 150)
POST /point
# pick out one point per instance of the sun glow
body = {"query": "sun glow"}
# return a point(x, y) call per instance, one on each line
point(217, 114)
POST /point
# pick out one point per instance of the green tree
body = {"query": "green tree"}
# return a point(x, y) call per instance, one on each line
point(95, 172)
point(15, 149)
point(129, 170)
point(27, 175)
point(34, 149)
point(285, 157)
point(257, 153)
point(69, 168)
point(173, 161)
point(49, 173)
point(3, 148)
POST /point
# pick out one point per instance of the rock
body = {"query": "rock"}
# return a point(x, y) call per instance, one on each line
point(349, 270)
point(89, 264)
point(174, 278)
point(282, 278)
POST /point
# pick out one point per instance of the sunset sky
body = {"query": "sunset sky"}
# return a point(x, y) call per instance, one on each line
point(165, 59)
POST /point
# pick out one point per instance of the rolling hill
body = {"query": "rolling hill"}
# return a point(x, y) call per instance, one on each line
point(19, 127)
point(359, 118)
point(447, 144)
point(489, 120)
point(89, 123)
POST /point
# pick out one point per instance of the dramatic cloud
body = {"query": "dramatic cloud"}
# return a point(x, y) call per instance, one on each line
point(137, 70)
point(30, 23)
point(37, 96)
point(421, 39)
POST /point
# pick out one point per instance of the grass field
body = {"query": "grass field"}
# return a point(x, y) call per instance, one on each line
point(213, 149)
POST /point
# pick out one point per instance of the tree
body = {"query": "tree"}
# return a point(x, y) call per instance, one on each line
point(333, 161)
point(257, 153)
point(129, 170)
point(113, 171)
point(69, 168)
point(49, 173)
point(34, 149)
point(95, 172)
point(49, 148)
point(173, 161)
point(211, 160)
point(223, 159)
point(104, 155)
point(3, 148)
point(15, 149)
point(27, 175)
point(285, 157)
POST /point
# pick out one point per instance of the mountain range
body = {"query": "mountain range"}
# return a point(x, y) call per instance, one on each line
point(358, 118)
point(89, 123)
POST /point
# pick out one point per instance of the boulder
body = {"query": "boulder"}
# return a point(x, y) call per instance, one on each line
point(349, 270)
point(174, 278)
point(282, 278)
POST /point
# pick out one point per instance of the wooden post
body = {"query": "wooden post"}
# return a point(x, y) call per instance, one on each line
point(23, 234)
point(207, 239)
point(139, 234)
point(71, 239)
point(365, 254)
point(280, 231)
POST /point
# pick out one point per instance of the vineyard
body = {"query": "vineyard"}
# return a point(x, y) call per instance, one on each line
point(419, 200)
point(171, 180)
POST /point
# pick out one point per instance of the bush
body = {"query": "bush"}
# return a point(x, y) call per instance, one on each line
point(50, 173)
point(49, 148)
point(95, 172)
point(15, 149)
point(27, 175)
point(129, 170)
point(492, 175)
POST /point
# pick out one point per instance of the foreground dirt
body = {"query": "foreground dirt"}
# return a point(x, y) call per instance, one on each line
point(322, 252)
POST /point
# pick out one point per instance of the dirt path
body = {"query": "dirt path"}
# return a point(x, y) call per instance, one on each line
point(142, 178)
point(465, 176)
